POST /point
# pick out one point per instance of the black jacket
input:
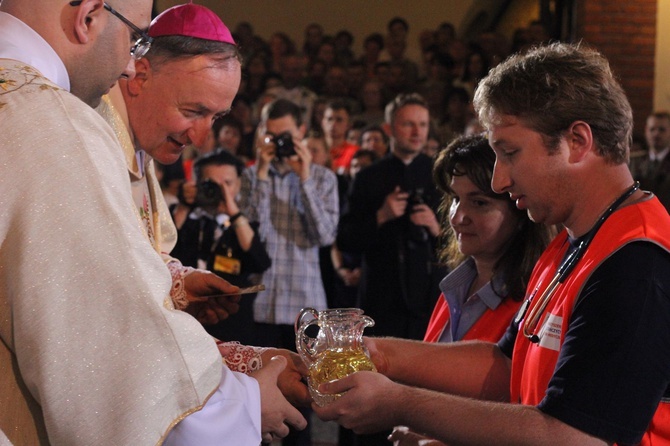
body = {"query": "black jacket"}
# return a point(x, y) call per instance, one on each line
point(400, 276)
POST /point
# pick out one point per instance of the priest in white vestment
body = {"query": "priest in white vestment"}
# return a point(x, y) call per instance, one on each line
point(84, 299)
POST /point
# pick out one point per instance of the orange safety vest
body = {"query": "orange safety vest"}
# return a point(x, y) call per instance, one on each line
point(489, 327)
point(533, 364)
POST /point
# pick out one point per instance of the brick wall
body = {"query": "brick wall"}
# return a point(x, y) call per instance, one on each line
point(625, 32)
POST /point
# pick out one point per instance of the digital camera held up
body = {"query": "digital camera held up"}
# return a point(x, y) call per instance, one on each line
point(415, 198)
point(209, 194)
point(284, 144)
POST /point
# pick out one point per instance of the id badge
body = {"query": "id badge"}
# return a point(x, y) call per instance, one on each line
point(227, 265)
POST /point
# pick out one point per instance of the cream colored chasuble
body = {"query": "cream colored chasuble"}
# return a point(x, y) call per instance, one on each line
point(84, 298)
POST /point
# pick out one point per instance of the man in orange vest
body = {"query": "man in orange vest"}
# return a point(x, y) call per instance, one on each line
point(587, 359)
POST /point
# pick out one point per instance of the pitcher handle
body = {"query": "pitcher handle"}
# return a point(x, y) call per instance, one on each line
point(303, 342)
point(367, 321)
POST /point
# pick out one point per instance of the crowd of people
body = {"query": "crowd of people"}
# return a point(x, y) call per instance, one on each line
point(328, 67)
point(343, 122)
point(496, 264)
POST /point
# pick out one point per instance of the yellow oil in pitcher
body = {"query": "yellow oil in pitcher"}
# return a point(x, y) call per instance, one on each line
point(334, 364)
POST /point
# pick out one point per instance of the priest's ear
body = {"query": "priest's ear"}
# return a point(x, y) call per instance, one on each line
point(143, 73)
point(89, 20)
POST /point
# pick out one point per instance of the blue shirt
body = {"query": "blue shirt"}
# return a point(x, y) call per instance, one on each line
point(465, 310)
point(296, 218)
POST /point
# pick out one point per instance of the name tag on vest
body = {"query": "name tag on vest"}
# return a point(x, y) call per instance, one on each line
point(550, 334)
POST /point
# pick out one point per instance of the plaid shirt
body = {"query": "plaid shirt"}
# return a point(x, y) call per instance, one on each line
point(296, 219)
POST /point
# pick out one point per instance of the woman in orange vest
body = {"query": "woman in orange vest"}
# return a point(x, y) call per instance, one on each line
point(491, 247)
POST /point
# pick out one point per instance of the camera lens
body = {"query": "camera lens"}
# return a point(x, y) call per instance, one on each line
point(209, 194)
point(284, 144)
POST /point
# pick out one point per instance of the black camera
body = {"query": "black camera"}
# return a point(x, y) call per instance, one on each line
point(416, 233)
point(284, 144)
point(209, 194)
point(415, 197)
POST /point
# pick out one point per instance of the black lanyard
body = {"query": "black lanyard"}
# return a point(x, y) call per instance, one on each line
point(531, 323)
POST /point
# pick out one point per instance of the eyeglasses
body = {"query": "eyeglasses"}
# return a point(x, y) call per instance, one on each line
point(142, 45)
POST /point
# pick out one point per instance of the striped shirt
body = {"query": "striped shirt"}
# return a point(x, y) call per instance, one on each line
point(296, 219)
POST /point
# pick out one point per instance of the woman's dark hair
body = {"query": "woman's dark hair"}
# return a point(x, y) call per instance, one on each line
point(472, 156)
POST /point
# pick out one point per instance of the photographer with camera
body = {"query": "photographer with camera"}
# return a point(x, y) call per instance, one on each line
point(213, 234)
point(392, 223)
point(296, 204)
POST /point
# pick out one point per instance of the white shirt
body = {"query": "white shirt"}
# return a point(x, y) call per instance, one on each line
point(21, 42)
point(658, 156)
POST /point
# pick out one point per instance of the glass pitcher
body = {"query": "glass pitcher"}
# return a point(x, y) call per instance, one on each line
point(337, 350)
